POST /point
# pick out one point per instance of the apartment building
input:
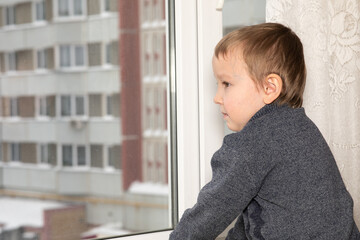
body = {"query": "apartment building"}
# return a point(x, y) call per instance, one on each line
point(61, 130)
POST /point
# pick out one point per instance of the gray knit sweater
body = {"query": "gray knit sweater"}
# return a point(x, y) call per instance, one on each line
point(279, 177)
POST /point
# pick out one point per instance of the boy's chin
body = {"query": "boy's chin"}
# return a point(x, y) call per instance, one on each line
point(233, 128)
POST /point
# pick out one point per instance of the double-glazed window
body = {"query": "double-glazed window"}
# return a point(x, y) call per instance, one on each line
point(74, 155)
point(70, 8)
point(120, 145)
point(72, 56)
point(72, 105)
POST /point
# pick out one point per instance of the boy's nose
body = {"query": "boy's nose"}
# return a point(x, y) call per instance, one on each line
point(217, 98)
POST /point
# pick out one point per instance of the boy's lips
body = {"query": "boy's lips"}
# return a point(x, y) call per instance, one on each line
point(224, 114)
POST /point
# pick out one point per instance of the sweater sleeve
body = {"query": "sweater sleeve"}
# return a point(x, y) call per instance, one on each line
point(220, 201)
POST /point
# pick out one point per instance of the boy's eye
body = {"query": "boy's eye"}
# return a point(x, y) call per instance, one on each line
point(226, 84)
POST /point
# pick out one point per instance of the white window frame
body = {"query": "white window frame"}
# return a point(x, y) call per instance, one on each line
point(199, 126)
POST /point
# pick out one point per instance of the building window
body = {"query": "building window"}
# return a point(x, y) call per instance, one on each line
point(78, 7)
point(72, 56)
point(147, 11)
point(109, 105)
point(46, 106)
point(65, 105)
point(44, 153)
point(11, 61)
point(65, 56)
point(67, 155)
point(96, 156)
point(111, 53)
point(43, 106)
point(81, 155)
point(9, 15)
point(63, 8)
point(107, 5)
point(114, 157)
point(67, 8)
point(157, 10)
point(15, 152)
point(47, 153)
point(79, 55)
point(108, 53)
point(40, 11)
point(79, 105)
point(41, 59)
point(14, 107)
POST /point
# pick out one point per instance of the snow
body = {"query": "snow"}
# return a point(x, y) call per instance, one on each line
point(16, 212)
point(149, 188)
point(106, 230)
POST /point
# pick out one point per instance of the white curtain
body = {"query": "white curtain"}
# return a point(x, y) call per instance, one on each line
point(330, 32)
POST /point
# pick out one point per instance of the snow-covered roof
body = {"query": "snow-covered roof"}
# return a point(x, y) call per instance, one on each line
point(106, 230)
point(17, 212)
point(149, 188)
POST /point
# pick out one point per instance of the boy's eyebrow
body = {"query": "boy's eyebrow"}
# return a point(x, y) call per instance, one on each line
point(222, 75)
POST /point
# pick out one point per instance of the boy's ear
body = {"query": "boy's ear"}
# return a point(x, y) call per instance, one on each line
point(272, 88)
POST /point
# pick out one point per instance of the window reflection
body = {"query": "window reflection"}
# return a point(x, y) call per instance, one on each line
point(83, 116)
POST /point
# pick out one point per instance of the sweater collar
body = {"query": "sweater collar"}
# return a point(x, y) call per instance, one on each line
point(268, 108)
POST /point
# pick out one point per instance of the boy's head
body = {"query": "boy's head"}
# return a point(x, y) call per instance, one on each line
point(269, 48)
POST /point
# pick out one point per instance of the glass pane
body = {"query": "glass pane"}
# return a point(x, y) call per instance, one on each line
point(81, 156)
point(10, 15)
point(79, 56)
point(40, 11)
point(65, 56)
point(80, 105)
point(12, 61)
point(44, 153)
point(85, 144)
point(78, 10)
point(67, 155)
point(65, 106)
point(63, 7)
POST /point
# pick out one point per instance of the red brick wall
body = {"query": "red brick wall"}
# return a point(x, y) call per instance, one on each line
point(64, 223)
point(130, 74)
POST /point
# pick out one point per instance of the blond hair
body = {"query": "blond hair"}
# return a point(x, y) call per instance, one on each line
point(270, 48)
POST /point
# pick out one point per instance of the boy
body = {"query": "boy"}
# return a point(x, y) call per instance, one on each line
point(276, 173)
